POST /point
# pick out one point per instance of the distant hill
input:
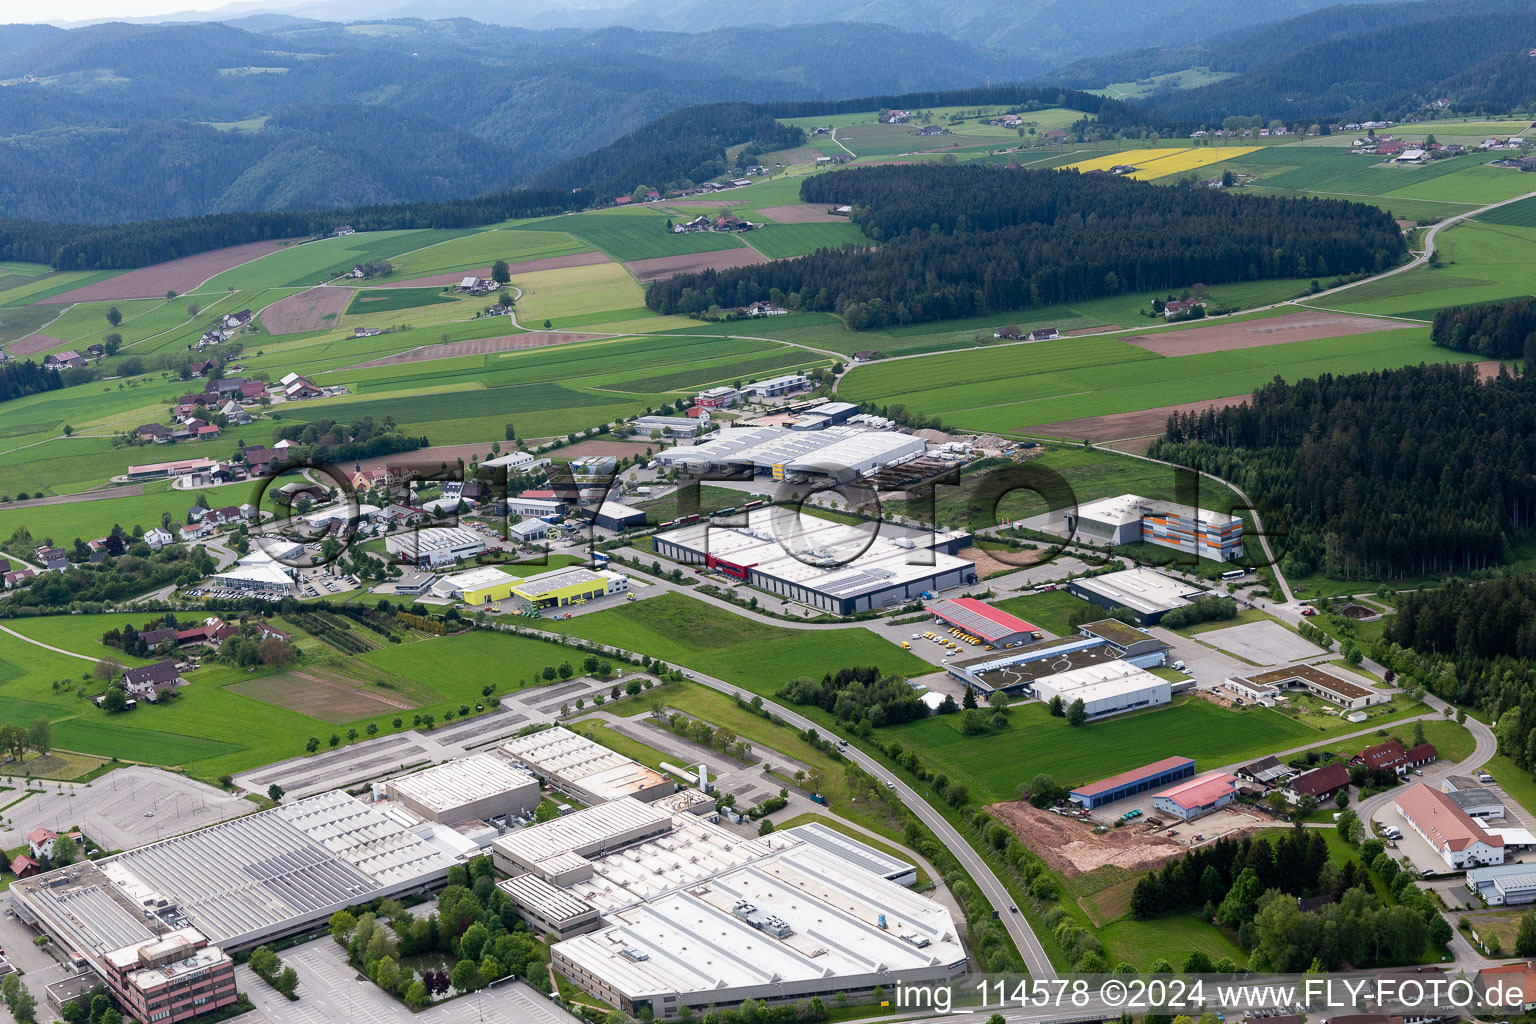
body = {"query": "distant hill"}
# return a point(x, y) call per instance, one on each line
point(1390, 57)
point(135, 121)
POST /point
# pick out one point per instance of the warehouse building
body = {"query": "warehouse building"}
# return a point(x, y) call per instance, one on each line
point(827, 414)
point(240, 883)
point(535, 507)
point(825, 565)
point(584, 769)
point(801, 924)
point(1266, 687)
point(863, 855)
point(512, 461)
point(1504, 885)
point(839, 452)
point(560, 588)
point(1458, 840)
point(527, 531)
point(666, 426)
point(1198, 796)
point(1108, 689)
point(476, 586)
point(988, 624)
point(435, 546)
point(718, 398)
point(549, 909)
point(1148, 595)
point(1016, 670)
point(1137, 780)
point(561, 850)
point(1132, 519)
point(481, 786)
point(616, 516)
point(777, 387)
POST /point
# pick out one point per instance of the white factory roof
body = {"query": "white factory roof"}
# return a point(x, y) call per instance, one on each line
point(857, 448)
point(579, 833)
point(1129, 508)
point(471, 579)
point(690, 941)
point(258, 568)
point(1141, 589)
point(826, 450)
point(693, 852)
point(850, 849)
point(455, 783)
point(563, 755)
point(511, 459)
point(779, 541)
point(1101, 681)
point(549, 901)
point(543, 583)
point(618, 510)
point(433, 538)
point(269, 870)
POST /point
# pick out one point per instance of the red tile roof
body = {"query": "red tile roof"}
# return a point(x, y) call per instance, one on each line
point(1200, 790)
point(1437, 816)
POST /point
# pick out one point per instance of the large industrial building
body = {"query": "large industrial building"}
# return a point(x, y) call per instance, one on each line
point(559, 588)
point(1137, 780)
point(584, 769)
point(988, 624)
point(1016, 670)
point(481, 786)
point(435, 546)
point(660, 911)
point(1504, 885)
point(1148, 595)
point(1197, 797)
point(1131, 519)
point(476, 586)
point(1459, 840)
point(826, 565)
point(1111, 688)
point(840, 452)
point(156, 923)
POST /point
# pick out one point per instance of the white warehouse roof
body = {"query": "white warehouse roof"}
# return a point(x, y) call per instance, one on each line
point(575, 760)
point(1141, 589)
point(456, 783)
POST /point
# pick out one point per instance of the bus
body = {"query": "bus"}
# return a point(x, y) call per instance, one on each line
point(1234, 574)
point(723, 513)
point(667, 525)
point(749, 506)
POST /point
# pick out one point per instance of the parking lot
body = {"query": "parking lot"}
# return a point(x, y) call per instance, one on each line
point(128, 807)
point(1263, 643)
point(331, 991)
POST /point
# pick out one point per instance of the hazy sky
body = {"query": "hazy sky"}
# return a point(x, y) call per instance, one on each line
point(93, 10)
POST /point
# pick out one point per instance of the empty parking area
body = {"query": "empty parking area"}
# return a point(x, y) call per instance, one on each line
point(128, 807)
point(1263, 643)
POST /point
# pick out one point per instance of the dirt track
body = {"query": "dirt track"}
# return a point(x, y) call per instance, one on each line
point(1114, 426)
point(579, 259)
point(801, 213)
point(32, 344)
point(480, 347)
point(646, 271)
point(1275, 330)
point(181, 275)
point(1071, 848)
point(312, 310)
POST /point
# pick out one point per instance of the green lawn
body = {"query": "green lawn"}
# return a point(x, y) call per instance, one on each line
point(758, 657)
point(1050, 611)
point(314, 262)
point(634, 234)
point(479, 250)
point(1143, 942)
point(996, 764)
point(777, 241)
point(95, 518)
point(387, 300)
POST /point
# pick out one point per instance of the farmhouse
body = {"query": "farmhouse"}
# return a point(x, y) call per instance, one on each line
point(1147, 594)
point(1320, 783)
point(823, 564)
point(183, 467)
point(1198, 796)
point(1267, 771)
point(1130, 518)
point(1460, 841)
point(1177, 307)
point(481, 786)
point(1129, 783)
point(152, 681)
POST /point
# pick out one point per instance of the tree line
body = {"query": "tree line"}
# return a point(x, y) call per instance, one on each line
point(1424, 469)
point(27, 378)
point(960, 241)
point(1497, 330)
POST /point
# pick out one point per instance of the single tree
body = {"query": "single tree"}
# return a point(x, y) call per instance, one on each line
point(114, 317)
point(500, 273)
point(1077, 713)
point(275, 793)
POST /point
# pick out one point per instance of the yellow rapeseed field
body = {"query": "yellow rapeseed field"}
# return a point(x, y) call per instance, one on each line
point(1161, 163)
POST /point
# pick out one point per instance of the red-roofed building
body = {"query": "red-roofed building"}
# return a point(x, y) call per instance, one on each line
point(1383, 756)
point(1137, 780)
point(1457, 837)
point(40, 842)
point(24, 866)
point(1199, 796)
point(1515, 984)
point(981, 620)
point(1320, 783)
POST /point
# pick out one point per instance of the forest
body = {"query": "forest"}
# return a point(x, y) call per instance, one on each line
point(1423, 469)
point(1251, 885)
point(1497, 330)
point(966, 240)
point(26, 378)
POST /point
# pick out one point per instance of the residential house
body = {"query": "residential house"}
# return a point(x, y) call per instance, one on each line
point(1044, 334)
point(1319, 783)
point(764, 309)
point(207, 432)
point(343, 231)
point(365, 332)
point(1266, 771)
point(152, 681)
point(24, 866)
point(301, 388)
point(40, 841)
point(18, 577)
point(58, 360)
point(1177, 306)
point(95, 351)
point(155, 432)
point(251, 390)
point(234, 412)
point(157, 538)
point(239, 319)
point(1512, 987)
point(357, 272)
point(864, 355)
point(201, 367)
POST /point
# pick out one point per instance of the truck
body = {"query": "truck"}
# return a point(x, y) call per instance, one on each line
point(818, 798)
point(926, 595)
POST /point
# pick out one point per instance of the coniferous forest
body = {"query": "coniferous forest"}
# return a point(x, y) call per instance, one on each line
point(1403, 472)
point(958, 241)
point(1498, 330)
